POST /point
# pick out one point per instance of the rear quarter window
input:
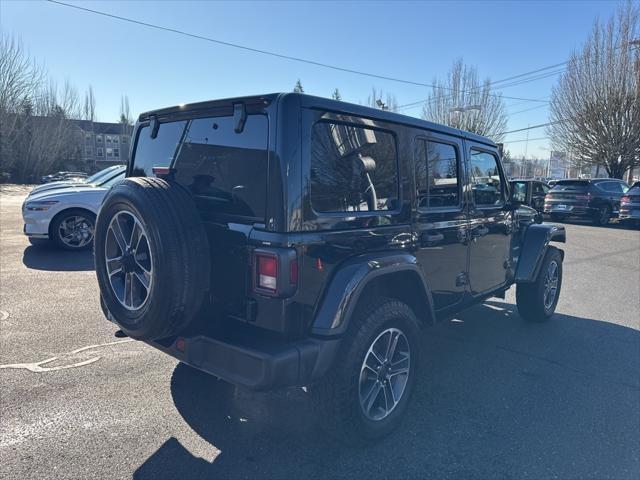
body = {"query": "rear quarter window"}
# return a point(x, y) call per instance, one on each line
point(353, 168)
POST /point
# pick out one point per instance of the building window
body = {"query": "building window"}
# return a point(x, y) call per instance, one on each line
point(99, 138)
point(87, 137)
point(89, 152)
point(109, 152)
point(353, 169)
point(100, 151)
point(115, 139)
point(124, 139)
point(116, 152)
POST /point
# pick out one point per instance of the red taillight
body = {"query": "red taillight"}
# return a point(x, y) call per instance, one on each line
point(159, 171)
point(625, 199)
point(267, 272)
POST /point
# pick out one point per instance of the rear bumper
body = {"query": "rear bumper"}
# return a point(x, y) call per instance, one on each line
point(258, 367)
point(629, 214)
point(245, 356)
point(571, 210)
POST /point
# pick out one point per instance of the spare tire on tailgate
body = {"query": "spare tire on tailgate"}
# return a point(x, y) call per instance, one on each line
point(152, 257)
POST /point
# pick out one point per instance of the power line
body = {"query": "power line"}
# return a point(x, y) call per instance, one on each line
point(534, 127)
point(528, 109)
point(501, 84)
point(265, 52)
point(527, 140)
point(498, 83)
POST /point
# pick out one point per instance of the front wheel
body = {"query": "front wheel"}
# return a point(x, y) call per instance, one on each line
point(366, 393)
point(537, 301)
point(73, 229)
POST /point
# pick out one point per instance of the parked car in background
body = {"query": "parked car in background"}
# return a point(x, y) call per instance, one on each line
point(530, 193)
point(94, 180)
point(597, 199)
point(630, 205)
point(55, 177)
point(66, 215)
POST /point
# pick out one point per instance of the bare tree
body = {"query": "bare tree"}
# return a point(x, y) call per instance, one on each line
point(36, 134)
point(378, 99)
point(125, 115)
point(89, 106)
point(20, 79)
point(462, 101)
point(336, 94)
point(595, 106)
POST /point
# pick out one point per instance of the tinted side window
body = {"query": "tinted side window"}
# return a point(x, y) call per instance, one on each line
point(519, 191)
point(486, 183)
point(353, 168)
point(156, 152)
point(538, 189)
point(436, 175)
point(224, 169)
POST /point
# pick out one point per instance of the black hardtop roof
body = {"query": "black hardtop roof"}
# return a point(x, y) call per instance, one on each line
point(311, 101)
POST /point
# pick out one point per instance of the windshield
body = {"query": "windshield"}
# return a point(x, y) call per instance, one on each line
point(113, 180)
point(102, 174)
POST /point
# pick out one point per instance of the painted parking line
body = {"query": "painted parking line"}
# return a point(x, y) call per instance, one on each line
point(40, 367)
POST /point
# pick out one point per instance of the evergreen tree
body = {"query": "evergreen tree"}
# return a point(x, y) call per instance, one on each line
point(298, 88)
point(336, 95)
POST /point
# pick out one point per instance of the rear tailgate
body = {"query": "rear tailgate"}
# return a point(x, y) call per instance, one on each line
point(567, 196)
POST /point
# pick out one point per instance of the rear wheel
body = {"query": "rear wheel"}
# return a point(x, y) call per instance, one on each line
point(537, 301)
point(366, 393)
point(73, 229)
point(602, 216)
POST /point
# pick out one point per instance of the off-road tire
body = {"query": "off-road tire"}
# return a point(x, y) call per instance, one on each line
point(530, 296)
point(179, 253)
point(336, 397)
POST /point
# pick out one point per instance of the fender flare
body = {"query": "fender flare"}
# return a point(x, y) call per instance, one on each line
point(349, 281)
point(534, 248)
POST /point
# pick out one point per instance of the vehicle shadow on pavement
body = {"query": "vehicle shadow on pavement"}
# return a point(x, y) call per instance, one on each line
point(499, 397)
point(48, 257)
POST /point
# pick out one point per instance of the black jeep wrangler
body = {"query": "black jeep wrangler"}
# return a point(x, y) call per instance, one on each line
point(289, 240)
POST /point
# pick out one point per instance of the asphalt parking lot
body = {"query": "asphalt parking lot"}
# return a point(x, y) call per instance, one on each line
point(499, 398)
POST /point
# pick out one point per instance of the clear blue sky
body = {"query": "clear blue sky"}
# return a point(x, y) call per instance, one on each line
point(413, 40)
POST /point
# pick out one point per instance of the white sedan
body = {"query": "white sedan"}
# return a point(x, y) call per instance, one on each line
point(94, 180)
point(66, 215)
